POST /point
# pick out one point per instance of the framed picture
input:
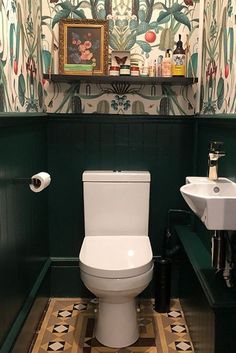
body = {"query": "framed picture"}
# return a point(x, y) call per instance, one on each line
point(83, 47)
point(120, 58)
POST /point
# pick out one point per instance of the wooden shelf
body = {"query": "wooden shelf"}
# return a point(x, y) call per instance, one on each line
point(173, 81)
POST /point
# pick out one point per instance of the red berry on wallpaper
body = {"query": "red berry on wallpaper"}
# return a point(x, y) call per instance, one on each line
point(15, 67)
point(188, 2)
point(226, 70)
point(150, 36)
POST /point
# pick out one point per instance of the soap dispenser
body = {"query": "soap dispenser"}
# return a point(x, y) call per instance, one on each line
point(179, 60)
point(166, 64)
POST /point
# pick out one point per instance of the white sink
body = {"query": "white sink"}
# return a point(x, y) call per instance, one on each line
point(214, 202)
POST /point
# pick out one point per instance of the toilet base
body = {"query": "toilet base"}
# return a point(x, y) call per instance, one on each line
point(117, 324)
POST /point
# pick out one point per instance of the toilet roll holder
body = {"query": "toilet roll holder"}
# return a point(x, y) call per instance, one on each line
point(31, 181)
point(36, 183)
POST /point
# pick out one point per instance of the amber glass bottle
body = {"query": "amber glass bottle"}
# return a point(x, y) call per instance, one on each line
point(179, 59)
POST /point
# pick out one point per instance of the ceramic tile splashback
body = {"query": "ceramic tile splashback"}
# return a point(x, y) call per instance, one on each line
point(29, 45)
point(218, 91)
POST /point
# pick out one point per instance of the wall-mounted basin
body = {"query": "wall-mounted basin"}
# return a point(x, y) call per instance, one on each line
point(214, 202)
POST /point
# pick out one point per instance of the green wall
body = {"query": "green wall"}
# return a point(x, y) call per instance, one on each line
point(23, 214)
point(169, 147)
point(219, 130)
point(162, 146)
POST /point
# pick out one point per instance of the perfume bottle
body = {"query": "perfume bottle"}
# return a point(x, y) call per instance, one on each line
point(159, 66)
point(167, 65)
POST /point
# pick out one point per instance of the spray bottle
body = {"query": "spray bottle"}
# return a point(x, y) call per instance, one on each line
point(166, 64)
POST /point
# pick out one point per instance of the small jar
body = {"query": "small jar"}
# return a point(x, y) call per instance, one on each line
point(124, 70)
point(152, 70)
point(144, 71)
point(134, 71)
point(114, 71)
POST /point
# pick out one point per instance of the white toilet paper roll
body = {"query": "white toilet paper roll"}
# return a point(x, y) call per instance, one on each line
point(40, 181)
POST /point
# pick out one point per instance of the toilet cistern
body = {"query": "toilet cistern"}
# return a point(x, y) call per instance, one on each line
point(215, 152)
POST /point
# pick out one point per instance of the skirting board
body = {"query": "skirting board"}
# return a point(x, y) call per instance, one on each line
point(60, 278)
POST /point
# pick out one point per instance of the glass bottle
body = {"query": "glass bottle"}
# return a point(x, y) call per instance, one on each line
point(179, 59)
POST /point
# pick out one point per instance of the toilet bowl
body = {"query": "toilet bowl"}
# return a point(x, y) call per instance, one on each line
point(116, 256)
point(116, 280)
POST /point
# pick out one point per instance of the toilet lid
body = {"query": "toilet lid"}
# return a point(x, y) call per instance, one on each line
point(115, 256)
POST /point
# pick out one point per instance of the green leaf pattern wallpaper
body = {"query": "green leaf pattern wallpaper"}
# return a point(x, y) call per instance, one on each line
point(146, 28)
point(29, 46)
point(21, 89)
point(218, 90)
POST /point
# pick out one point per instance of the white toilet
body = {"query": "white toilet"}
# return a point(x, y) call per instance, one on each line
point(116, 256)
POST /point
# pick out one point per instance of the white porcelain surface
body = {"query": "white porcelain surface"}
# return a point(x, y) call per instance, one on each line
point(116, 176)
point(115, 257)
point(117, 203)
point(119, 332)
point(117, 324)
point(115, 287)
point(197, 180)
point(213, 201)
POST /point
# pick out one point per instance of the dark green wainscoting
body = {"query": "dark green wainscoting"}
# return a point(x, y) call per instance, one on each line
point(163, 146)
point(24, 246)
point(41, 234)
point(169, 147)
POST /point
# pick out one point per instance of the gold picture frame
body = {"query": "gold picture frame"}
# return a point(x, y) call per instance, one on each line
point(83, 47)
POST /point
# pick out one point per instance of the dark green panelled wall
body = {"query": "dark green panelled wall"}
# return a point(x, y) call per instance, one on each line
point(34, 227)
point(170, 148)
point(162, 146)
point(219, 130)
point(23, 215)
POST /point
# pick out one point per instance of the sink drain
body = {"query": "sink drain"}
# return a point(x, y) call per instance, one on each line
point(216, 189)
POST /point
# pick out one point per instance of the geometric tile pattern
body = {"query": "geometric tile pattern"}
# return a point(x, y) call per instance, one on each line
point(68, 327)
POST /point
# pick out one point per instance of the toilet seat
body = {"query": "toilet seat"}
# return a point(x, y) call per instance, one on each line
point(115, 256)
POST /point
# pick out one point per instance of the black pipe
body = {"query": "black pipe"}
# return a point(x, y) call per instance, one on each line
point(169, 249)
point(162, 272)
point(219, 250)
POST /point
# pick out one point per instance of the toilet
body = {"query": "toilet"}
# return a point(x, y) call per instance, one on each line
point(116, 257)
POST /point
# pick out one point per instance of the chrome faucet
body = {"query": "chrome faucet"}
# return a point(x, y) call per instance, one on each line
point(215, 152)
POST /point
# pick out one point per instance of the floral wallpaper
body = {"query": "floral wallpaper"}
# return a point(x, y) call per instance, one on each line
point(145, 28)
point(21, 87)
point(218, 90)
point(29, 46)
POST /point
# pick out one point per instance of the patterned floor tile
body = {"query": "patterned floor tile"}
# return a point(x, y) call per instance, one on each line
point(68, 327)
point(178, 328)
